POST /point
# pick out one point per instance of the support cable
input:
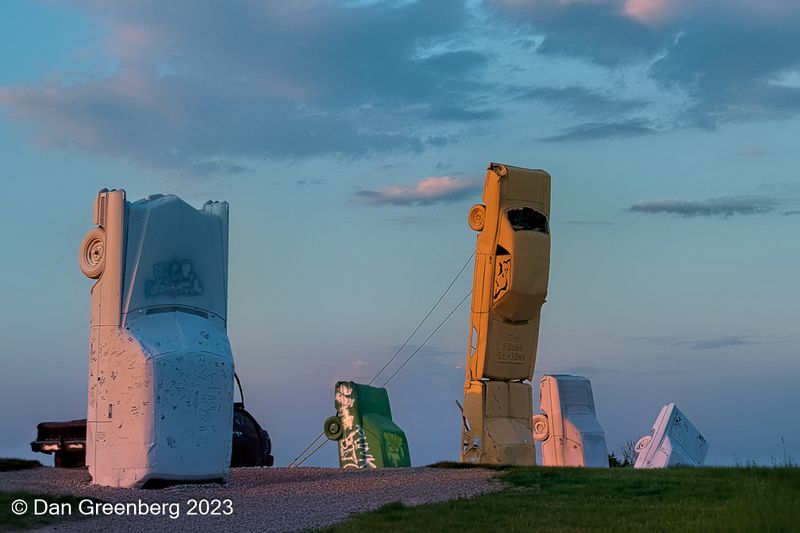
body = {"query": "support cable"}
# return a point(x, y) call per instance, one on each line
point(305, 449)
point(464, 299)
point(423, 320)
point(295, 462)
point(321, 444)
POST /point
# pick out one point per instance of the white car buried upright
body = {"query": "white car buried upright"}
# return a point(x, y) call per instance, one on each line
point(569, 430)
point(160, 364)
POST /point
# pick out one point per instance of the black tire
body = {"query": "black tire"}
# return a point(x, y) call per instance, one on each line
point(333, 428)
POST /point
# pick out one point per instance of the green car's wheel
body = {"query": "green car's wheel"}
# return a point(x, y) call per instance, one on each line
point(333, 427)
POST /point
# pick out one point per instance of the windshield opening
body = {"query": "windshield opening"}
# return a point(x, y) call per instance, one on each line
point(527, 219)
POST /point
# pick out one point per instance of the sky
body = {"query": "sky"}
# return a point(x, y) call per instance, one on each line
point(350, 139)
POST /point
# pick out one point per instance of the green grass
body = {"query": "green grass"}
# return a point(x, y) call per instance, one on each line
point(7, 465)
point(10, 521)
point(561, 499)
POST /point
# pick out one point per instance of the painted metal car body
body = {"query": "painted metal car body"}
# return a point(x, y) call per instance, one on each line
point(673, 441)
point(363, 426)
point(161, 370)
point(569, 430)
point(512, 264)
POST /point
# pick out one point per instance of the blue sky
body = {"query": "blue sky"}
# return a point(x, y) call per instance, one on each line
point(350, 139)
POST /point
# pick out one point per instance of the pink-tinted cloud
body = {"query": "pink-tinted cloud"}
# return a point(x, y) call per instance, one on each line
point(650, 12)
point(205, 87)
point(657, 12)
point(436, 189)
point(661, 12)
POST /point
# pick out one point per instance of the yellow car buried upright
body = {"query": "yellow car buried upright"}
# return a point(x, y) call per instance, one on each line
point(512, 265)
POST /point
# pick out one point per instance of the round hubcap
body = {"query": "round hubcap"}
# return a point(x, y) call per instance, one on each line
point(94, 252)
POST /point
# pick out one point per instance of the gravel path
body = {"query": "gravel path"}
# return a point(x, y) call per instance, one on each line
point(263, 499)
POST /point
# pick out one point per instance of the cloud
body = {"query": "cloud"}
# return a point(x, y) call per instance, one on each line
point(726, 58)
point(207, 87)
point(604, 113)
point(703, 344)
point(580, 100)
point(726, 63)
point(408, 220)
point(713, 207)
point(316, 181)
point(596, 371)
point(584, 370)
point(599, 31)
point(461, 114)
point(428, 191)
point(791, 213)
point(586, 222)
point(212, 87)
point(590, 131)
point(751, 151)
point(649, 11)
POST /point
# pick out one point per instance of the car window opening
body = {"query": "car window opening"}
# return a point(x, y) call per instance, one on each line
point(527, 219)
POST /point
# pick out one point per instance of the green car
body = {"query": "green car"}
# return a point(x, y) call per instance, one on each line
point(368, 438)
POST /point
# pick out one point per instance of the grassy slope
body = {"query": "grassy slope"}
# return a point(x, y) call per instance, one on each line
point(554, 499)
point(7, 465)
point(8, 520)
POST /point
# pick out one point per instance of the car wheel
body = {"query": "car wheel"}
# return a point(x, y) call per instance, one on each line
point(541, 429)
point(643, 443)
point(92, 253)
point(477, 217)
point(333, 428)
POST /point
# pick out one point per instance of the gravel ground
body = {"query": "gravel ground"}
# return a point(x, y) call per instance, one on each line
point(263, 499)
